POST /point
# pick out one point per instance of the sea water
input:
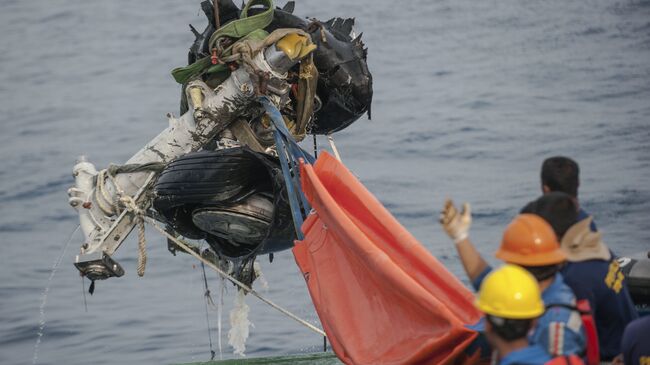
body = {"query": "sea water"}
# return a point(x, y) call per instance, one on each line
point(470, 97)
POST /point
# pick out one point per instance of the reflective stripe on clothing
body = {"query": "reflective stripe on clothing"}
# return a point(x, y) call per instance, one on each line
point(569, 336)
point(556, 337)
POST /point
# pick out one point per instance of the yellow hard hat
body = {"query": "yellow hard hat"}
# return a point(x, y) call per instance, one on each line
point(510, 292)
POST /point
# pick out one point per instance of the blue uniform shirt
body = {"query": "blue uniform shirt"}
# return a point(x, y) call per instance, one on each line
point(636, 342)
point(603, 284)
point(582, 214)
point(559, 330)
point(531, 355)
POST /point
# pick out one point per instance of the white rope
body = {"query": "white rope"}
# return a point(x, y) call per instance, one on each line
point(130, 205)
point(105, 197)
point(142, 249)
point(232, 279)
point(334, 149)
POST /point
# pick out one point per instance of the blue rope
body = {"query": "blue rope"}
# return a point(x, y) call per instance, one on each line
point(278, 123)
point(291, 192)
point(288, 153)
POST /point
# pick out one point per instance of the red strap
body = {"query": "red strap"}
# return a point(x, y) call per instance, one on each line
point(214, 58)
point(593, 349)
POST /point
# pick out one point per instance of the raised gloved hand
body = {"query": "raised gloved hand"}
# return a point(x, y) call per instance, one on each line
point(456, 223)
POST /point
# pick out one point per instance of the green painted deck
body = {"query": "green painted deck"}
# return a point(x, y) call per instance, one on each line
point(322, 358)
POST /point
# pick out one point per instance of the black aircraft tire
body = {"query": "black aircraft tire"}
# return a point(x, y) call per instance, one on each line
point(206, 177)
point(226, 185)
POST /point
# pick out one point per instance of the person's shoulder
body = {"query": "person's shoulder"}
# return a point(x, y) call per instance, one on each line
point(638, 326)
point(560, 303)
point(593, 265)
point(635, 341)
point(530, 355)
point(559, 292)
point(585, 271)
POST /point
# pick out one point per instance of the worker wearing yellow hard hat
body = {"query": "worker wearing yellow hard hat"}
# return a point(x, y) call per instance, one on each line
point(511, 300)
point(530, 243)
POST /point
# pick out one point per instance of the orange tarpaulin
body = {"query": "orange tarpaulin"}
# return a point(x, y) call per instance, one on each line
point(381, 296)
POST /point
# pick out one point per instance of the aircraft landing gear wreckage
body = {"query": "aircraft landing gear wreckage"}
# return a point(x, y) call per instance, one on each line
point(229, 171)
point(215, 173)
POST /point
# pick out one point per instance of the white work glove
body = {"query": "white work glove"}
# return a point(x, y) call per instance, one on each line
point(455, 223)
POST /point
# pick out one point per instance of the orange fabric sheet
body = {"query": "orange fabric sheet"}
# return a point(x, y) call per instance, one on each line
point(381, 296)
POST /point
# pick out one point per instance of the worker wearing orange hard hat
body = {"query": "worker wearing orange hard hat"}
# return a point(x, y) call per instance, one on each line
point(592, 271)
point(530, 242)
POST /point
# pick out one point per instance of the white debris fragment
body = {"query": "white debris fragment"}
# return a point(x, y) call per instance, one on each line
point(260, 276)
point(239, 324)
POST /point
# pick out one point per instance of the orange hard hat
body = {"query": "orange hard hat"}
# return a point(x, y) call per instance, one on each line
point(530, 241)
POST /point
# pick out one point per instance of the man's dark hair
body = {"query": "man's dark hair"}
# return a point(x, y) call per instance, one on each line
point(561, 173)
point(543, 272)
point(558, 209)
point(509, 329)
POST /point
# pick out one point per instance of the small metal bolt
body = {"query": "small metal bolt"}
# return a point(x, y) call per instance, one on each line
point(246, 88)
point(117, 237)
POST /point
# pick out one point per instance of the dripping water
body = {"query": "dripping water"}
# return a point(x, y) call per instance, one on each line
point(41, 326)
point(222, 290)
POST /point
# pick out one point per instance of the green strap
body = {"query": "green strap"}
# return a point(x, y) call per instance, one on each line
point(246, 24)
point(242, 27)
point(256, 35)
point(184, 74)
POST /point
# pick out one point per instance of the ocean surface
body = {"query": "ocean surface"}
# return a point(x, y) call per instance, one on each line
point(470, 97)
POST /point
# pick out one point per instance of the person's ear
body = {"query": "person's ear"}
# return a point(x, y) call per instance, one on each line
point(533, 324)
point(545, 189)
point(488, 326)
